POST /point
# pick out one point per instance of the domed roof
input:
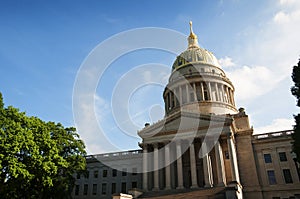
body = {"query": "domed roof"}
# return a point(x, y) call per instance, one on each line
point(195, 54)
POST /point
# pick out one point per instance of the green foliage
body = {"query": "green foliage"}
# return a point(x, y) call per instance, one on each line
point(37, 158)
point(296, 92)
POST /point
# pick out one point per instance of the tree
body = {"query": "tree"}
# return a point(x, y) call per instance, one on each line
point(37, 159)
point(296, 92)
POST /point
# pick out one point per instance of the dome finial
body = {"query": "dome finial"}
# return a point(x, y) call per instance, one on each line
point(193, 40)
point(191, 27)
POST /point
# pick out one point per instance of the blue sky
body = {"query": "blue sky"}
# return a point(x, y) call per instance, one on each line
point(44, 43)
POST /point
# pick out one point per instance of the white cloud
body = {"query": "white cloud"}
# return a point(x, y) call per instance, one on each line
point(287, 2)
point(251, 82)
point(281, 17)
point(270, 50)
point(226, 62)
point(279, 124)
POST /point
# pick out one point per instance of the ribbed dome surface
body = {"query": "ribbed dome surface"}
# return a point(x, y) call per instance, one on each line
point(195, 54)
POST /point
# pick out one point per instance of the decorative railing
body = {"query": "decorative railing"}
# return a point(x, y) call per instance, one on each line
point(274, 134)
point(115, 154)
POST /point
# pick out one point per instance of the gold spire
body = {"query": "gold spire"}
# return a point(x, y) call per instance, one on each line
point(192, 35)
point(193, 39)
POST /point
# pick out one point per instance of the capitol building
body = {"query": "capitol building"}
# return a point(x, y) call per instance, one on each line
point(203, 148)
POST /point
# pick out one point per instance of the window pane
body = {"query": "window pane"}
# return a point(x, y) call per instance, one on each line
point(114, 172)
point(104, 173)
point(104, 188)
point(287, 176)
point(85, 189)
point(282, 156)
point(113, 188)
point(95, 174)
point(268, 158)
point(123, 187)
point(94, 189)
point(271, 177)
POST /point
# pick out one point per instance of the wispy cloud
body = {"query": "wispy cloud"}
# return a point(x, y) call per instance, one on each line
point(276, 125)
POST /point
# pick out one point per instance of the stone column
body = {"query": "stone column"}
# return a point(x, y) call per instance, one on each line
point(233, 158)
point(156, 173)
point(145, 167)
point(179, 165)
point(193, 166)
point(175, 97)
point(180, 95)
point(220, 164)
point(202, 91)
point(207, 170)
point(195, 93)
point(217, 92)
point(187, 92)
point(222, 90)
point(167, 166)
point(209, 91)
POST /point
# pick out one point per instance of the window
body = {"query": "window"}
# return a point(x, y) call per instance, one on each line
point(87, 174)
point(271, 177)
point(104, 174)
point(85, 189)
point(124, 172)
point(134, 171)
point(282, 157)
point(78, 176)
point(287, 176)
point(113, 188)
point(103, 188)
point(123, 190)
point(76, 190)
point(226, 155)
point(134, 185)
point(95, 174)
point(114, 172)
point(268, 158)
point(94, 189)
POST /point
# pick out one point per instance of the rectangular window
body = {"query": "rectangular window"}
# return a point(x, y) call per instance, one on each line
point(268, 158)
point(282, 157)
point(113, 188)
point(271, 177)
point(103, 188)
point(124, 172)
point(94, 189)
point(76, 190)
point(104, 174)
point(287, 176)
point(95, 174)
point(134, 185)
point(114, 172)
point(123, 190)
point(85, 189)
